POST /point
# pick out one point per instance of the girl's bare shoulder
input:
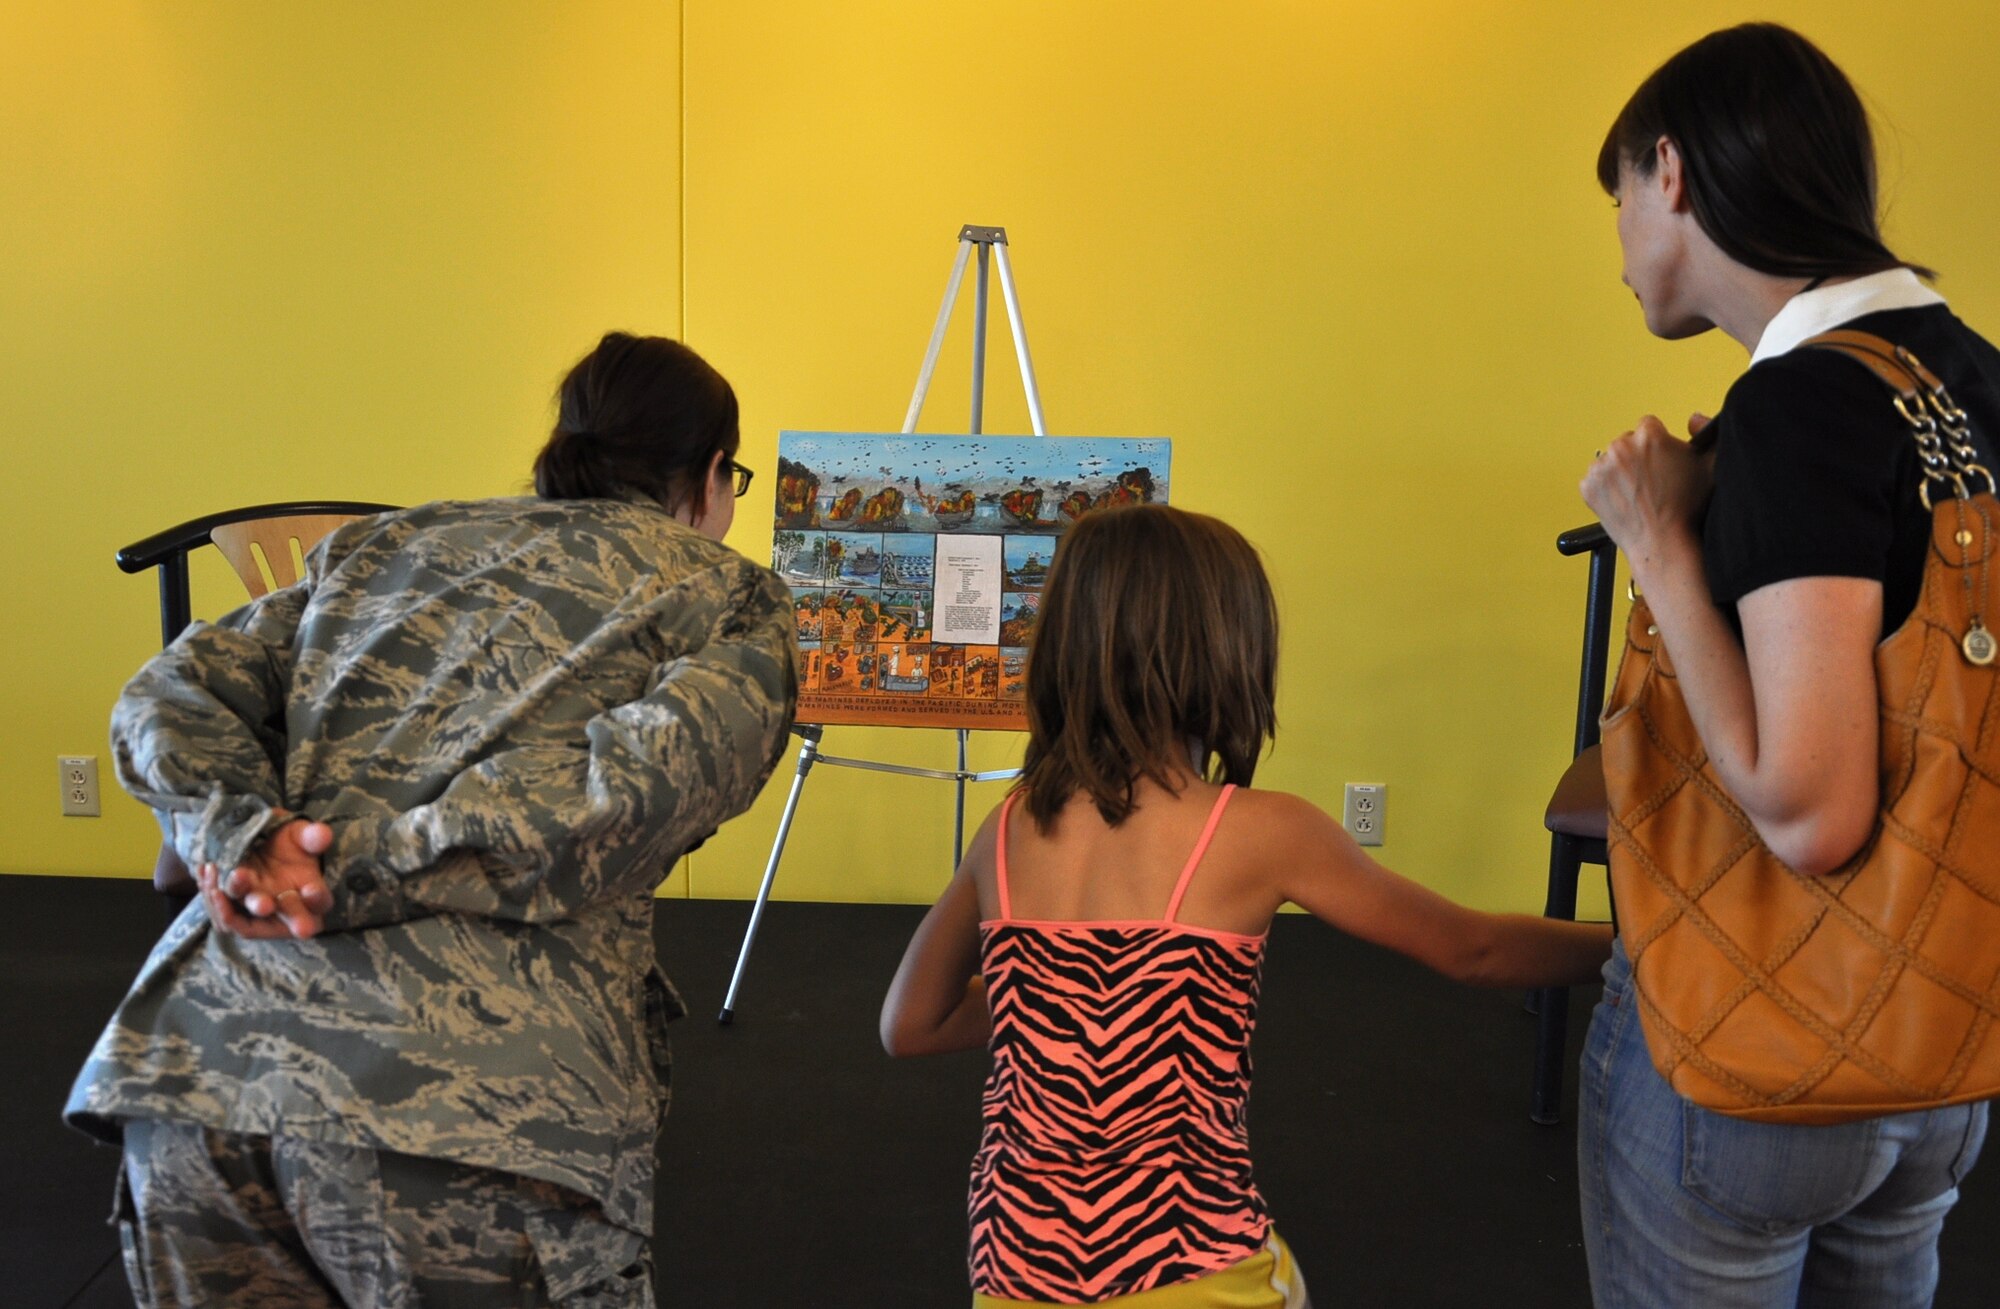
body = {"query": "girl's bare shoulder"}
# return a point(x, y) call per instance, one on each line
point(1263, 837)
point(1269, 816)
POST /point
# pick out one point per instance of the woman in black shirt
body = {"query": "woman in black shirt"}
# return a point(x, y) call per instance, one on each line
point(1775, 550)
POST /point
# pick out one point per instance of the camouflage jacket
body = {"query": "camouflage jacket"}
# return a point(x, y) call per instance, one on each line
point(515, 714)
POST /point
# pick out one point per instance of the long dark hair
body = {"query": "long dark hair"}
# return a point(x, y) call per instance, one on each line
point(638, 414)
point(1777, 157)
point(1157, 628)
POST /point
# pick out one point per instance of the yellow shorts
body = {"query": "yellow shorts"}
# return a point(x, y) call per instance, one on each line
point(1268, 1279)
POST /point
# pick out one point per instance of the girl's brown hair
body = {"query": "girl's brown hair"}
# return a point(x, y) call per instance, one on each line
point(1157, 628)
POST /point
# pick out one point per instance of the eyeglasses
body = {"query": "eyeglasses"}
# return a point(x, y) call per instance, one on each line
point(740, 476)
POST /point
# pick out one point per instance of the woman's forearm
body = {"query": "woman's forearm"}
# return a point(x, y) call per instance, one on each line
point(1708, 659)
point(1787, 715)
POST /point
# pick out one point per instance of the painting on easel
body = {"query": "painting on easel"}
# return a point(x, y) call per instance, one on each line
point(916, 563)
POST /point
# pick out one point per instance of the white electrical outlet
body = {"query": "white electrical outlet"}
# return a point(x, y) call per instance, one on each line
point(79, 784)
point(1365, 812)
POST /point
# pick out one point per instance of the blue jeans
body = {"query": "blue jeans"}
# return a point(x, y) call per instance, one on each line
point(1684, 1207)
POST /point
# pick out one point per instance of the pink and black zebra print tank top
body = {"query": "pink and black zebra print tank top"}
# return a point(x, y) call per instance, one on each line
point(1114, 1157)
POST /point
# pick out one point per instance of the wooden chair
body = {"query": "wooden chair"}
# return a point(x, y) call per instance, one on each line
point(1576, 812)
point(266, 545)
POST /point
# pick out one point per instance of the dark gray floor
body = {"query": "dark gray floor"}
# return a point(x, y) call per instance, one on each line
point(802, 1167)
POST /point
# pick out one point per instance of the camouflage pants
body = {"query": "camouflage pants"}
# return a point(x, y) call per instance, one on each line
point(212, 1218)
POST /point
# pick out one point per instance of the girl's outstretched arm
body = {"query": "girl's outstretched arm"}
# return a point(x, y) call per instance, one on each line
point(937, 1003)
point(1324, 872)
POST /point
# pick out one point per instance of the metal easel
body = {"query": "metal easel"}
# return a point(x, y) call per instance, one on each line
point(991, 243)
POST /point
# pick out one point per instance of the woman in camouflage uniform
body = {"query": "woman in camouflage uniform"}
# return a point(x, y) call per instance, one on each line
point(414, 1051)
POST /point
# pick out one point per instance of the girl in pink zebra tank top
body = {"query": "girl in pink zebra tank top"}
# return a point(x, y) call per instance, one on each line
point(1105, 934)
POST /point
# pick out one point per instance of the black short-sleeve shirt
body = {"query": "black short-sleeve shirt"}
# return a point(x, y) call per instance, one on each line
point(1816, 474)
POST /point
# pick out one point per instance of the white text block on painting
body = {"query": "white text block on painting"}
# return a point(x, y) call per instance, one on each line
point(968, 590)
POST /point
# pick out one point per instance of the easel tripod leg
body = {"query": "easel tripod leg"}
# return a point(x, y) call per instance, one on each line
point(1037, 424)
point(807, 752)
point(937, 336)
point(979, 347)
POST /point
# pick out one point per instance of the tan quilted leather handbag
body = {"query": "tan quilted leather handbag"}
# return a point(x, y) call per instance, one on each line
point(1772, 995)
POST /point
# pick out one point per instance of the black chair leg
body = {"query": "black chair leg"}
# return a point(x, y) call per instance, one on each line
point(1551, 1006)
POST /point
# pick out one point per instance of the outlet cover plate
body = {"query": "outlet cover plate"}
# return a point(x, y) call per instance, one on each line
point(1366, 812)
point(78, 773)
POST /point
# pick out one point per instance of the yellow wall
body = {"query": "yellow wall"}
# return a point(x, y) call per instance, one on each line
point(1351, 257)
point(256, 252)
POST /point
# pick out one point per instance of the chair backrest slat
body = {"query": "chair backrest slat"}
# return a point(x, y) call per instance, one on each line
point(268, 530)
point(274, 539)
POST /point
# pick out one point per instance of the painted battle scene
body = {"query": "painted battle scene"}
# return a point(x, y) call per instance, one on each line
point(851, 482)
point(837, 668)
point(853, 558)
point(1013, 674)
point(908, 560)
point(965, 672)
point(850, 616)
point(1027, 559)
point(805, 612)
point(914, 673)
point(1017, 617)
point(906, 615)
point(856, 536)
point(799, 557)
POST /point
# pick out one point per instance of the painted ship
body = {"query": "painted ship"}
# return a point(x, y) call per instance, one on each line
point(1135, 486)
point(1023, 505)
point(798, 495)
point(842, 510)
point(955, 510)
point(884, 508)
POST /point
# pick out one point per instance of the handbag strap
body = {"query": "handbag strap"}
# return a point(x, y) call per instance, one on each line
point(1942, 430)
point(1944, 446)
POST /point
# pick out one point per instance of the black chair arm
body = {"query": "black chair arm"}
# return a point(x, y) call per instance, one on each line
point(162, 546)
point(1593, 540)
point(1579, 539)
point(168, 550)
